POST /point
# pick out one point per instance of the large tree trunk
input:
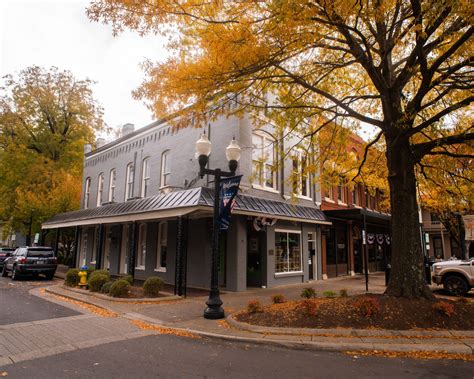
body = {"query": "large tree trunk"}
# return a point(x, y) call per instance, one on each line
point(407, 277)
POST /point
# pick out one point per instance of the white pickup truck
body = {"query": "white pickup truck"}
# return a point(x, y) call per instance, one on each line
point(456, 276)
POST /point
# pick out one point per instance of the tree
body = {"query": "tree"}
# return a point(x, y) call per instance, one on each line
point(445, 187)
point(46, 116)
point(403, 67)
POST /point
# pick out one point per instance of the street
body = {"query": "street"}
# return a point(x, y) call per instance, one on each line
point(112, 347)
point(170, 356)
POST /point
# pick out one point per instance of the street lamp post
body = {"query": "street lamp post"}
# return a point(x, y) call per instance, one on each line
point(214, 308)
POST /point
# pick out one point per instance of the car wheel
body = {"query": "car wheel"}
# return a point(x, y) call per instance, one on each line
point(15, 274)
point(4, 271)
point(50, 276)
point(456, 285)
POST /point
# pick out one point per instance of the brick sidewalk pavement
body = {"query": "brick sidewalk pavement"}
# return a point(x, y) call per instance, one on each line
point(35, 339)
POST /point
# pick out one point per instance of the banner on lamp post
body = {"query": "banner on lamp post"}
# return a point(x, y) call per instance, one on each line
point(228, 190)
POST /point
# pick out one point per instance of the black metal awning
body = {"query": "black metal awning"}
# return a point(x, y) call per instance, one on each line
point(358, 214)
point(179, 203)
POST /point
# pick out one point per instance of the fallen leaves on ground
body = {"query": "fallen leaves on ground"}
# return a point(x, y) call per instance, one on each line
point(146, 326)
point(224, 324)
point(91, 308)
point(413, 354)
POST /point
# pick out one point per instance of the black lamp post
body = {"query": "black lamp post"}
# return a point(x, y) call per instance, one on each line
point(214, 308)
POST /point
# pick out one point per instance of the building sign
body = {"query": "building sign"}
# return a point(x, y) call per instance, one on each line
point(228, 191)
point(469, 227)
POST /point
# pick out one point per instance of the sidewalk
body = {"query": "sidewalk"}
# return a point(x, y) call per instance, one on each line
point(186, 315)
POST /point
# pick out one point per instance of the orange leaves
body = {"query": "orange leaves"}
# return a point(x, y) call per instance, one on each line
point(437, 355)
point(162, 330)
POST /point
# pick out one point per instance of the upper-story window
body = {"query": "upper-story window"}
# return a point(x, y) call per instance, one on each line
point(341, 191)
point(145, 177)
point(100, 189)
point(87, 193)
point(263, 160)
point(112, 181)
point(355, 195)
point(165, 169)
point(129, 181)
point(301, 182)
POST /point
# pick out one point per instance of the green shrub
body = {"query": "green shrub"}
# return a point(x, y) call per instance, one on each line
point(278, 299)
point(129, 279)
point(72, 277)
point(152, 286)
point(330, 294)
point(100, 272)
point(343, 292)
point(106, 287)
point(90, 270)
point(308, 293)
point(254, 306)
point(96, 281)
point(119, 288)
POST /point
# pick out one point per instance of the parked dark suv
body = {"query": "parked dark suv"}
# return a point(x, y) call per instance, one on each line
point(5, 252)
point(31, 260)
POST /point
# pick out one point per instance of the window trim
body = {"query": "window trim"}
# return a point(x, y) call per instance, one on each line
point(129, 181)
point(159, 245)
point(164, 176)
point(261, 181)
point(87, 192)
point(291, 273)
point(142, 237)
point(100, 189)
point(298, 158)
point(145, 179)
point(112, 184)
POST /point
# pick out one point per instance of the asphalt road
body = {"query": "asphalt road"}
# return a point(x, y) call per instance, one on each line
point(178, 357)
point(17, 305)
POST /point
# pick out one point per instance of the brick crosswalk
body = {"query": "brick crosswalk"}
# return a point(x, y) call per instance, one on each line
point(29, 340)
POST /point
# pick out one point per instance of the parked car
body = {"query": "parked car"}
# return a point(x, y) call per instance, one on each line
point(5, 252)
point(31, 260)
point(456, 276)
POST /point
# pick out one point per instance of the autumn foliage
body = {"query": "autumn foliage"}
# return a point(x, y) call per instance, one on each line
point(46, 116)
point(402, 67)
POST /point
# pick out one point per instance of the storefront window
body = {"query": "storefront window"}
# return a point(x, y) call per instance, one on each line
point(288, 252)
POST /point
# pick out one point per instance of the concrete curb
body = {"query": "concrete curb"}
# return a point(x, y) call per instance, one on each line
point(350, 332)
point(340, 341)
point(122, 300)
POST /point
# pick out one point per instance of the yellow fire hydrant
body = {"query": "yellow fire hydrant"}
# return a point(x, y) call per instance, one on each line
point(83, 276)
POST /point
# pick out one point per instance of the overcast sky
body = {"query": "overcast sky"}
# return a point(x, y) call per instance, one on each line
point(58, 33)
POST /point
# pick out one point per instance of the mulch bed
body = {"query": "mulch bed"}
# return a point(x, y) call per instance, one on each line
point(393, 313)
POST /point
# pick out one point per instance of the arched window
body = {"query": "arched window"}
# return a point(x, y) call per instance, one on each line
point(129, 181)
point(145, 177)
point(112, 180)
point(87, 193)
point(100, 189)
point(165, 169)
point(263, 160)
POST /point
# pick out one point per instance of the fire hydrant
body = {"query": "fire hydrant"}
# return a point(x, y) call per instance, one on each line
point(83, 276)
